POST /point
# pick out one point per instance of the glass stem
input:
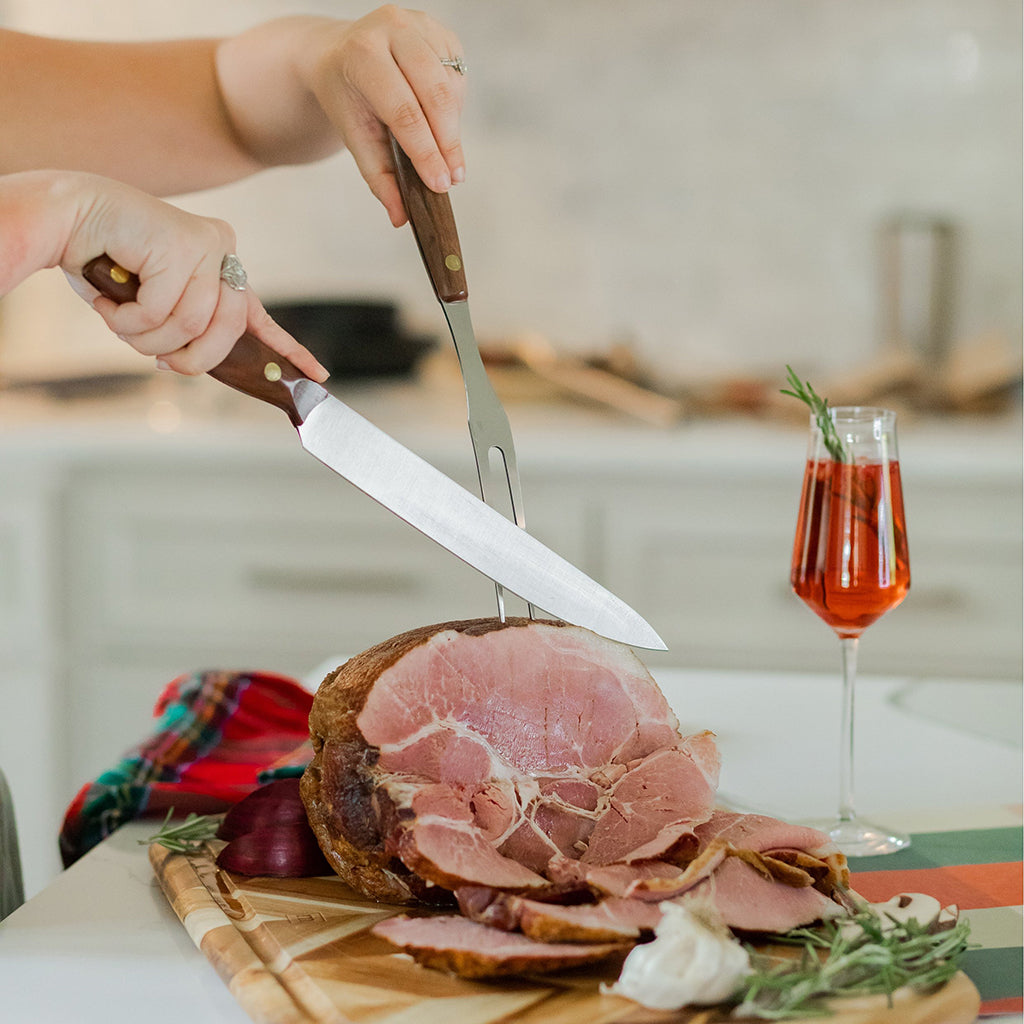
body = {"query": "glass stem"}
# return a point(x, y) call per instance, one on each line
point(848, 646)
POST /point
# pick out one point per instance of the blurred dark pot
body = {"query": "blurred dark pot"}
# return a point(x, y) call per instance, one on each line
point(352, 338)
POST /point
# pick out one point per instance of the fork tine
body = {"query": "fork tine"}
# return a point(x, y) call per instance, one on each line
point(489, 430)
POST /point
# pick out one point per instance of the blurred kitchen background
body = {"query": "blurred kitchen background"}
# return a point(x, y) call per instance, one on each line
point(666, 203)
point(708, 182)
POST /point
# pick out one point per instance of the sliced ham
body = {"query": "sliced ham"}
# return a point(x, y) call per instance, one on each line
point(644, 818)
point(484, 753)
point(608, 920)
point(616, 879)
point(794, 855)
point(761, 833)
point(747, 900)
point(474, 950)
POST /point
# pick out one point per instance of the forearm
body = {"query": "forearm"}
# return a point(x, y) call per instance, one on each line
point(179, 116)
point(150, 114)
point(265, 78)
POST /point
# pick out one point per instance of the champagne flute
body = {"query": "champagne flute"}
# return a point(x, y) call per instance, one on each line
point(850, 566)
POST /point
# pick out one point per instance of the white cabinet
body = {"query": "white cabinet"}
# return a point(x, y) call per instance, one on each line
point(124, 563)
point(708, 559)
point(238, 566)
point(283, 564)
point(708, 562)
point(963, 615)
point(32, 721)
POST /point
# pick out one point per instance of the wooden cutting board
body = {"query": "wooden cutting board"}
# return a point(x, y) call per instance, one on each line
point(299, 951)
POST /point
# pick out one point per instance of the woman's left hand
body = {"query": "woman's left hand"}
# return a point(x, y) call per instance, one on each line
point(384, 71)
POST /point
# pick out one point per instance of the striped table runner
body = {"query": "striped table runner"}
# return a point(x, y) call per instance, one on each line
point(977, 867)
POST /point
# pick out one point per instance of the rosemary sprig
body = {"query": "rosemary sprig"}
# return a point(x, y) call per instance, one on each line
point(185, 836)
point(865, 955)
point(818, 406)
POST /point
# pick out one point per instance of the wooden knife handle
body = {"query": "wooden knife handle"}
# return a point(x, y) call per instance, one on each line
point(251, 367)
point(433, 224)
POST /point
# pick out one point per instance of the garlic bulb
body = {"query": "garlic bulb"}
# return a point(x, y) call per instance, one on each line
point(693, 960)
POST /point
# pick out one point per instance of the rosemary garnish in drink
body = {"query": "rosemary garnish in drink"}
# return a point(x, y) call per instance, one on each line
point(185, 836)
point(818, 406)
point(869, 953)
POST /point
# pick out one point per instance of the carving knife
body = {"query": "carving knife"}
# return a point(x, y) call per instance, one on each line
point(409, 486)
point(433, 225)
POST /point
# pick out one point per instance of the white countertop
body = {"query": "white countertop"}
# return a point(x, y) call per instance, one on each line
point(100, 945)
point(197, 418)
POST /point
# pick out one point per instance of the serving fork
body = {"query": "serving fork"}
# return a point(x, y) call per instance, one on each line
point(433, 224)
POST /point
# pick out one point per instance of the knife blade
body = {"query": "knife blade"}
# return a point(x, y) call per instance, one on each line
point(409, 486)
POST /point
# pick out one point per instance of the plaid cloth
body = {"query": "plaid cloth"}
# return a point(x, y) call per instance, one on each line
point(979, 870)
point(220, 735)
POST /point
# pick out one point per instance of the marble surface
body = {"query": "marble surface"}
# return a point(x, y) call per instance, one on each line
point(197, 418)
point(100, 945)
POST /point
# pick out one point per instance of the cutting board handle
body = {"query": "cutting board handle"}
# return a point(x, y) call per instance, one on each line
point(251, 367)
point(433, 224)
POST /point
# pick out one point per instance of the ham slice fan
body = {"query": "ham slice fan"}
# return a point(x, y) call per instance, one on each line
point(530, 777)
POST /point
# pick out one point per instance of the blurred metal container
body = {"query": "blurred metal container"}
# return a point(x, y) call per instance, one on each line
point(917, 255)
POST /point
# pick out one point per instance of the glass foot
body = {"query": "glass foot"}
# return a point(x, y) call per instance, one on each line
point(858, 838)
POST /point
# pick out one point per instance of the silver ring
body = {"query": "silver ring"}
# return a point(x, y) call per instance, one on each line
point(457, 63)
point(232, 273)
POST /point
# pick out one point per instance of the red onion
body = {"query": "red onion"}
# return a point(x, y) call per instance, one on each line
point(270, 835)
point(282, 851)
point(276, 803)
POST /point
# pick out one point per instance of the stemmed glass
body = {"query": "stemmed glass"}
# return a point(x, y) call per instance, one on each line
point(850, 566)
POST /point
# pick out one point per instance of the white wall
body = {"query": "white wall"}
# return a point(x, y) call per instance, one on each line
point(703, 176)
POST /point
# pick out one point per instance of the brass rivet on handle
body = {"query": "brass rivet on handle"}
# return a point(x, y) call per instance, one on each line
point(119, 274)
point(452, 262)
point(272, 372)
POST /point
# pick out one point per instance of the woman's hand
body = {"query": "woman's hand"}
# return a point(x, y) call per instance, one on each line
point(205, 112)
point(385, 70)
point(185, 314)
point(355, 80)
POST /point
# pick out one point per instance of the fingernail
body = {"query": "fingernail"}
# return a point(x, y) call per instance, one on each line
point(459, 175)
point(442, 183)
point(162, 365)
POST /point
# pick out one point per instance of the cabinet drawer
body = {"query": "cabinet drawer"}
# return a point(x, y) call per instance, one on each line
point(708, 565)
point(33, 753)
point(300, 560)
point(24, 576)
point(963, 615)
point(709, 568)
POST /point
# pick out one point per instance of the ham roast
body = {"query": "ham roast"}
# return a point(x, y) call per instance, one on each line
point(533, 772)
point(481, 753)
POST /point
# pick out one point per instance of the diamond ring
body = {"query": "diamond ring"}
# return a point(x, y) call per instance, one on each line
point(456, 63)
point(232, 273)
